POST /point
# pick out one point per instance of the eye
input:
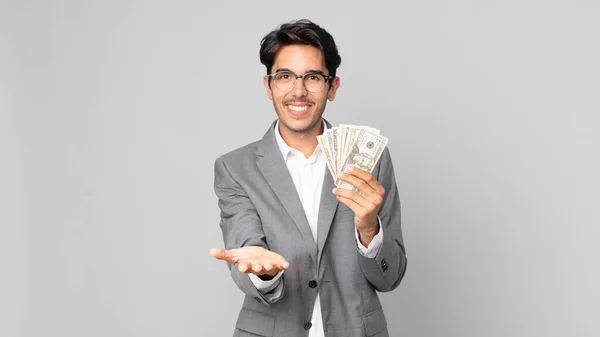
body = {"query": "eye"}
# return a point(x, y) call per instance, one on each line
point(284, 76)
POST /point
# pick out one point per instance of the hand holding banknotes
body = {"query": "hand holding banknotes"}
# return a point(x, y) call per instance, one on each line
point(364, 205)
point(351, 154)
point(252, 259)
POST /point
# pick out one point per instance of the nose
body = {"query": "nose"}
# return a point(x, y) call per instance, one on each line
point(299, 90)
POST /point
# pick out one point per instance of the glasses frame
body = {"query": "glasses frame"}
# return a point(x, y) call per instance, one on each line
point(327, 78)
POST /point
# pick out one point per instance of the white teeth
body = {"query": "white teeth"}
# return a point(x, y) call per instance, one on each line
point(298, 108)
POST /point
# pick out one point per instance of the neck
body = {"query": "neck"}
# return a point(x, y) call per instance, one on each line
point(303, 141)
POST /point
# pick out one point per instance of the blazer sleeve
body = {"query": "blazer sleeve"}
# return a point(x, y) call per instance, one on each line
point(387, 269)
point(241, 226)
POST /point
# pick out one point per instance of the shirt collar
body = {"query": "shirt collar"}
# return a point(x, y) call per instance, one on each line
point(283, 147)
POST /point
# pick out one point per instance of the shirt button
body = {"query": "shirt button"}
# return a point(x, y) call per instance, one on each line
point(307, 325)
point(312, 283)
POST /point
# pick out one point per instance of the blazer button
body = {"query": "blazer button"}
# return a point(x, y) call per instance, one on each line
point(384, 265)
point(307, 325)
point(312, 283)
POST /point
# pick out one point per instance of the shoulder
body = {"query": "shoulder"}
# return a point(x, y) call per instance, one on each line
point(239, 155)
point(237, 166)
point(386, 157)
point(385, 166)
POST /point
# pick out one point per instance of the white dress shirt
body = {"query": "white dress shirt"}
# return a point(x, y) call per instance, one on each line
point(308, 174)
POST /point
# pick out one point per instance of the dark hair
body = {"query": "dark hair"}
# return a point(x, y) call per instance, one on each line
point(300, 32)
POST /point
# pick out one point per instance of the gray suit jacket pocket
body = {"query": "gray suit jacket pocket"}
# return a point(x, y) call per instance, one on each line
point(254, 322)
point(375, 323)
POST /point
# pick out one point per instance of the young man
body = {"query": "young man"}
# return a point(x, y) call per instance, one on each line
point(310, 257)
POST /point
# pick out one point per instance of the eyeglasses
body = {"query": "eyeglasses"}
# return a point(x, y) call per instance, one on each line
point(286, 80)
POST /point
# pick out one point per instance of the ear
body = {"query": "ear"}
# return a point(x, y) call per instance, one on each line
point(335, 84)
point(269, 91)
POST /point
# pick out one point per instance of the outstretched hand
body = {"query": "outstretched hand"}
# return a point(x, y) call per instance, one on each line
point(252, 259)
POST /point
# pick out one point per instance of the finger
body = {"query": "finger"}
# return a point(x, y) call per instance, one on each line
point(365, 176)
point(279, 264)
point(230, 256)
point(373, 197)
point(357, 182)
point(283, 265)
point(218, 253)
point(363, 202)
point(356, 208)
point(244, 267)
point(257, 268)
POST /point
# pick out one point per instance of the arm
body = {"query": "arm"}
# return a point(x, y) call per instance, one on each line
point(241, 227)
point(380, 198)
point(387, 269)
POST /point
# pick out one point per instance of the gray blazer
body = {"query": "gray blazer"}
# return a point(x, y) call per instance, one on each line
point(260, 207)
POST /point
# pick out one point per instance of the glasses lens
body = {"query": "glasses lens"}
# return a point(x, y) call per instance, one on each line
point(314, 82)
point(284, 80)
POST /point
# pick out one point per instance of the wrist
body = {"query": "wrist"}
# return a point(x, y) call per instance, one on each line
point(366, 235)
point(370, 230)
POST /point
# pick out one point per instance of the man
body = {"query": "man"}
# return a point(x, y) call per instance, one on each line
point(310, 257)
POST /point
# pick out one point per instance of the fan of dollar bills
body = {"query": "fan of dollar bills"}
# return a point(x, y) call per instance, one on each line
point(351, 145)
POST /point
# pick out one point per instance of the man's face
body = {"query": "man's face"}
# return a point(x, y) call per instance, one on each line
point(300, 110)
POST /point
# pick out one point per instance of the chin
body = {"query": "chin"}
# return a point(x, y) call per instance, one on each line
point(299, 125)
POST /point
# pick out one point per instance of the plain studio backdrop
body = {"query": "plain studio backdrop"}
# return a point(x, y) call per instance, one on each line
point(113, 112)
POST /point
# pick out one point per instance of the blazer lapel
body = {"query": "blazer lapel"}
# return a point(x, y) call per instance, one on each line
point(272, 165)
point(327, 210)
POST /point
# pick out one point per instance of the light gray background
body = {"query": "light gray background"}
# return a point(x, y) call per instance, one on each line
point(112, 114)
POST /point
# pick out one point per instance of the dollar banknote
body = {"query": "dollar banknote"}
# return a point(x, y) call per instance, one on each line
point(322, 140)
point(329, 134)
point(351, 145)
point(352, 132)
point(335, 151)
point(343, 139)
point(364, 153)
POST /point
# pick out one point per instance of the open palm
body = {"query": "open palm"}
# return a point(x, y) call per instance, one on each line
point(252, 259)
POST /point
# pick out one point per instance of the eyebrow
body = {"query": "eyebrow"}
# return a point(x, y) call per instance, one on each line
point(318, 71)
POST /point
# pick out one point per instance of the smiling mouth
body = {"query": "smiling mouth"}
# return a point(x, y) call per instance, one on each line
point(298, 108)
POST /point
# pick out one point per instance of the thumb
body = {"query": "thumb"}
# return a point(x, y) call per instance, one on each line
point(218, 253)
